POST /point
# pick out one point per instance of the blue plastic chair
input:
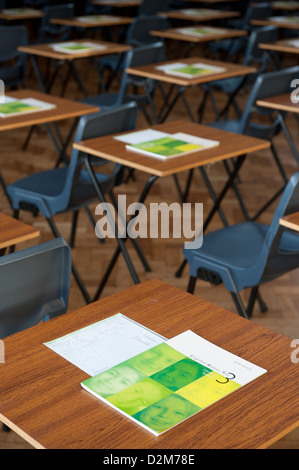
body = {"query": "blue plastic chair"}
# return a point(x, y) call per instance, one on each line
point(69, 188)
point(266, 85)
point(12, 62)
point(256, 11)
point(138, 34)
point(50, 32)
point(137, 56)
point(34, 285)
point(232, 86)
point(152, 7)
point(249, 254)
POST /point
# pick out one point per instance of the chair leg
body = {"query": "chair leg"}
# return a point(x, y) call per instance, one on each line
point(278, 163)
point(15, 216)
point(239, 304)
point(73, 229)
point(191, 284)
point(74, 269)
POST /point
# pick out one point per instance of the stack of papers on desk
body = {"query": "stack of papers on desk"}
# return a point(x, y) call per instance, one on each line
point(155, 382)
point(199, 31)
point(97, 18)
point(285, 19)
point(184, 70)
point(76, 47)
point(20, 11)
point(167, 384)
point(164, 146)
point(294, 42)
point(12, 107)
point(198, 11)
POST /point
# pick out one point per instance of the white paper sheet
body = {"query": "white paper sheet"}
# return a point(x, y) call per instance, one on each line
point(216, 358)
point(104, 344)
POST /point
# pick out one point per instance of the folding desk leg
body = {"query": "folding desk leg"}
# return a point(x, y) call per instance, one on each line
point(172, 103)
point(2, 182)
point(77, 77)
point(117, 252)
point(121, 247)
point(38, 74)
point(288, 137)
point(62, 153)
point(134, 242)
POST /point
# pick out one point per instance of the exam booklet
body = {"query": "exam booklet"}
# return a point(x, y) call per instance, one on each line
point(163, 145)
point(198, 11)
point(73, 47)
point(200, 31)
point(12, 107)
point(20, 11)
point(285, 19)
point(294, 42)
point(185, 70)
point(169, 383)
point(97, 18)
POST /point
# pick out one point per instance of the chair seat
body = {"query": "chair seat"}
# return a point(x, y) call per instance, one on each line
point(109, 100)
point(230, 125)
point(44, 190)
point(227, 86)
point(234, 252)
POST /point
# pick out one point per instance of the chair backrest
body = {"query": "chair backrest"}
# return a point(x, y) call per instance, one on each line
point(151, 7)
point(34, 285)
point(271, 261)
point(137, 56)
point(253, 52)
point(12, 62)
point(256, 12)
point(53, 32)
point(140, 28)
point(266, 85)
point(99, 124)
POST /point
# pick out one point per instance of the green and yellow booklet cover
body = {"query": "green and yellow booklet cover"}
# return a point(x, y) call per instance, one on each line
point(172, 381)
point(97, 18)
point(164, 146)
point(11, 107)
point(77, 47)
point(199, 31)
point(198, 11)
point(186, 70)
point(285, 19)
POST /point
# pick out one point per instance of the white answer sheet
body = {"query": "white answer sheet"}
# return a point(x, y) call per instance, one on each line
point(104, 344)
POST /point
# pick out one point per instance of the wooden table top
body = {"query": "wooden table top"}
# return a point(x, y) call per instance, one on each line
point(99, 20)
point(11, 14)
point(283, 45)
point(45, 50)
point(14, 231)
point(285, 5)
point(279, 21)
point(64, 109)
point(230, 70)
point(230, 145)
point(185, 34)
point(290, 221)
point(42, 400)
point(280, 102)
point(199, 14)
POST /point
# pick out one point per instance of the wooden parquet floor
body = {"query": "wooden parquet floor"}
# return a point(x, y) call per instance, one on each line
point(259, 179)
